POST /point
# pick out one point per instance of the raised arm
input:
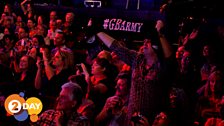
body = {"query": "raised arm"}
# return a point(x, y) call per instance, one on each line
point(125, 54)
point(48, 69)
point(90, 86)
point(167, 49)
point(38, 78)
point(107, 40)
point(13, 64)
point(190, 37)
point(23, 7)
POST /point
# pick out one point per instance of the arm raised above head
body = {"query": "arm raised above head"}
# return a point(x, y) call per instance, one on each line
point(105, 38)
point(166, 47)
point(125, 54)
point(22, 4)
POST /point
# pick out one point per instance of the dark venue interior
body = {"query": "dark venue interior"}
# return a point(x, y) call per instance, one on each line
point(111, 63)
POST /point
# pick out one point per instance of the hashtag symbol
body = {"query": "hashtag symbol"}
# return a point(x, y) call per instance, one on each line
point(105, 25)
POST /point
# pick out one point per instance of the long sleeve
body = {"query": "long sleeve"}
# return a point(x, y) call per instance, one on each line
point(125, 54)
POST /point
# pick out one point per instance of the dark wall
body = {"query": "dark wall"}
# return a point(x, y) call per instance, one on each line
point(121, 4)
point(118, 4)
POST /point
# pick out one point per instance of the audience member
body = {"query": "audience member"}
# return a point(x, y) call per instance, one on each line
point(100, 84)
point(197, 83)
point(24, 74)
point(114, 111)
point(28, 9)
point(146, 95)
point(65, 114)
point(211, 95)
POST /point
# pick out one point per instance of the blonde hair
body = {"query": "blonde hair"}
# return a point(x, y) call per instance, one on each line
point(67, 57)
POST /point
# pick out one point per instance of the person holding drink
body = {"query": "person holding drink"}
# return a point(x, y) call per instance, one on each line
point(115, 108)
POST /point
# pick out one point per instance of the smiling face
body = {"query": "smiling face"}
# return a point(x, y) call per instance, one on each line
point(58, 60)
point(23, 64)
point(96, 68)
point(121, 87)
point(65, 100)
point(59, 39)
point(147, 48)
point(33, 53)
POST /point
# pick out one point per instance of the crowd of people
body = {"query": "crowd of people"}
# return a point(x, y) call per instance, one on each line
point(86, 77)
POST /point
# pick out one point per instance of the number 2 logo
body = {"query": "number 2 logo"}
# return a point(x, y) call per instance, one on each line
point(14, 106)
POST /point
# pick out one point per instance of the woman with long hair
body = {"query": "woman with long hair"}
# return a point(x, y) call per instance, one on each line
point(56, 72)
point(25, 73)
point(210, 101)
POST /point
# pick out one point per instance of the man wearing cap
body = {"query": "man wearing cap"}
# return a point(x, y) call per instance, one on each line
point(147, 93)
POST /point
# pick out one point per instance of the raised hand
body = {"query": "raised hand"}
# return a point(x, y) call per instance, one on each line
point(185, 39)
point(59, 119)
point(111, 103)
point(86, 73)
point(193, 34)
point(39, 63)
point(43, 51)
point(159, 25)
